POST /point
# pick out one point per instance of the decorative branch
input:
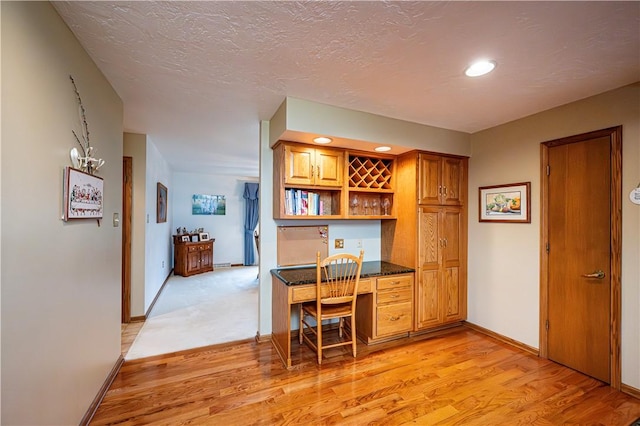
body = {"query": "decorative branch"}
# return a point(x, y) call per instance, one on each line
point(86, 161)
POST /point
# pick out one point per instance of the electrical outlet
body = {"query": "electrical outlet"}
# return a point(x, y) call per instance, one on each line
point(358, 243)
point(163, 263)
point(339, 243)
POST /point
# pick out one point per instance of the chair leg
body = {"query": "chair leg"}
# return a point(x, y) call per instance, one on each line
point(300, 330)
point(319, 339)
point(340, 327)
point(354, 342)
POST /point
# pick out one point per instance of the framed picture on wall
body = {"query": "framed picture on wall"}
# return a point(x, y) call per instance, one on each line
point(505, 203)
point(83, 195)
point(204, 204)
point(161, 209)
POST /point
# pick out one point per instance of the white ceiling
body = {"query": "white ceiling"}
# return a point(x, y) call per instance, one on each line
point(197, 77)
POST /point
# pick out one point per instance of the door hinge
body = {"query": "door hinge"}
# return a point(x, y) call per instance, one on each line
point(548, 170)
point(546, 325)
point(547, 248)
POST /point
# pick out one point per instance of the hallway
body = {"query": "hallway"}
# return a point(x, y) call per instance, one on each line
point(201, 310)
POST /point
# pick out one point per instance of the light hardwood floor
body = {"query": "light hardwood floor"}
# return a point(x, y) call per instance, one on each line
point(460, 378)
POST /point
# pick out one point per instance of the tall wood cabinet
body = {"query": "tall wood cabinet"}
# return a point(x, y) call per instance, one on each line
point(430, 234)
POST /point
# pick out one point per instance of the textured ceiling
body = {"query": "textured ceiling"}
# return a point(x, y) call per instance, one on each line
point(197, 77)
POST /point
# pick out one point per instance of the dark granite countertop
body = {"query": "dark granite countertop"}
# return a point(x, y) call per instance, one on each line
point(307, 275)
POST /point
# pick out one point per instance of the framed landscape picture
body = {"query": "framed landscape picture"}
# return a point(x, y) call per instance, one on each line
point(505, 203)
point(203, 204)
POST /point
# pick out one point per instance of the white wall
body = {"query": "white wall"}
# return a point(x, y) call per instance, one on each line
point(60, 280)
point(511, 153)
point(228, 229)
point(158, 243)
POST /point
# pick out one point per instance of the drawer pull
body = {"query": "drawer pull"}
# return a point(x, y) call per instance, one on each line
point(394, 296)
point(394, 318)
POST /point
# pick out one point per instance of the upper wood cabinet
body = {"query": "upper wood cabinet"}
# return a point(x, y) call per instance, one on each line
point(331, 183)
point(441, 180)
point(313, 166)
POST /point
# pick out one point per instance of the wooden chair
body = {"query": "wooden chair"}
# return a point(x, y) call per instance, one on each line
point(337, 279)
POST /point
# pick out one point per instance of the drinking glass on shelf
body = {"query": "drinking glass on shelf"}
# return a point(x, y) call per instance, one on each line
point(385, 205)
point(354, 205)
point(366, 207)
point(374, 207)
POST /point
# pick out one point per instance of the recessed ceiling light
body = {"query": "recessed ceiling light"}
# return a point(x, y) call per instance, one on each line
point(383, 148)
point(480, 68)
point(322, 139)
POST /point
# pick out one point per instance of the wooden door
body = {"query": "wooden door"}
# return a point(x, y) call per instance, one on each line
point(127, 199)
point(328, 167)
point(581, 186)
point(429, 181)
point(428, 289)
point(298, 162)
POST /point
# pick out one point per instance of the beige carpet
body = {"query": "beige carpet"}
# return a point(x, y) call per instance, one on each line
point(201, 310)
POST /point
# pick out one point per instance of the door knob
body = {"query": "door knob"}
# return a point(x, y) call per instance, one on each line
point(597, 274)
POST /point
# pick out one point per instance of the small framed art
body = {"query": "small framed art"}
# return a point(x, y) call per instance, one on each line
point(505, 203)
point(83, 195)
point(161, 210)
point(204, 236)
point(185, 239)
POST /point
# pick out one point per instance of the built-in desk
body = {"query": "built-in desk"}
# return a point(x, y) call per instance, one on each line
point(296, 285)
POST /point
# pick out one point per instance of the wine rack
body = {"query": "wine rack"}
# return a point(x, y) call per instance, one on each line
point(370, 173)
point(370, 187)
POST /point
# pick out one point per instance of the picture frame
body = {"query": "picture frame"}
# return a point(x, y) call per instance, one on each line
point(83, 195)
point(185, 239)
point(509, 203)
point(204, 204)
point(162, 201)
point(204, 236)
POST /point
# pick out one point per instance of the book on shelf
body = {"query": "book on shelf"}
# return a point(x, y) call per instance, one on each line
point(300, 202)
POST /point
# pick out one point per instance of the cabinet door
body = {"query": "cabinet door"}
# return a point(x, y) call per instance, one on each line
point(428, 288)
point(206, 260)
point(453, 292)
point(429, 184)
point(452, 181)
point(298, 164)
point(329, 165)
point(193, 261)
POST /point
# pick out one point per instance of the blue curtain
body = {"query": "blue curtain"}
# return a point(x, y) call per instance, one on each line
point(250, 220)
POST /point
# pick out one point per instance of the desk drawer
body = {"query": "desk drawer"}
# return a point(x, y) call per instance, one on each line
point(307, 293)
point(394, 282)
point(402, 294)
point(393, 319)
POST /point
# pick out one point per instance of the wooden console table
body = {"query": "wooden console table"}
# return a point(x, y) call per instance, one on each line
point(192, 258)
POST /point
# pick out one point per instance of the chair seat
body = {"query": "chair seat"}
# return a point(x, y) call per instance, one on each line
point(328, 311)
